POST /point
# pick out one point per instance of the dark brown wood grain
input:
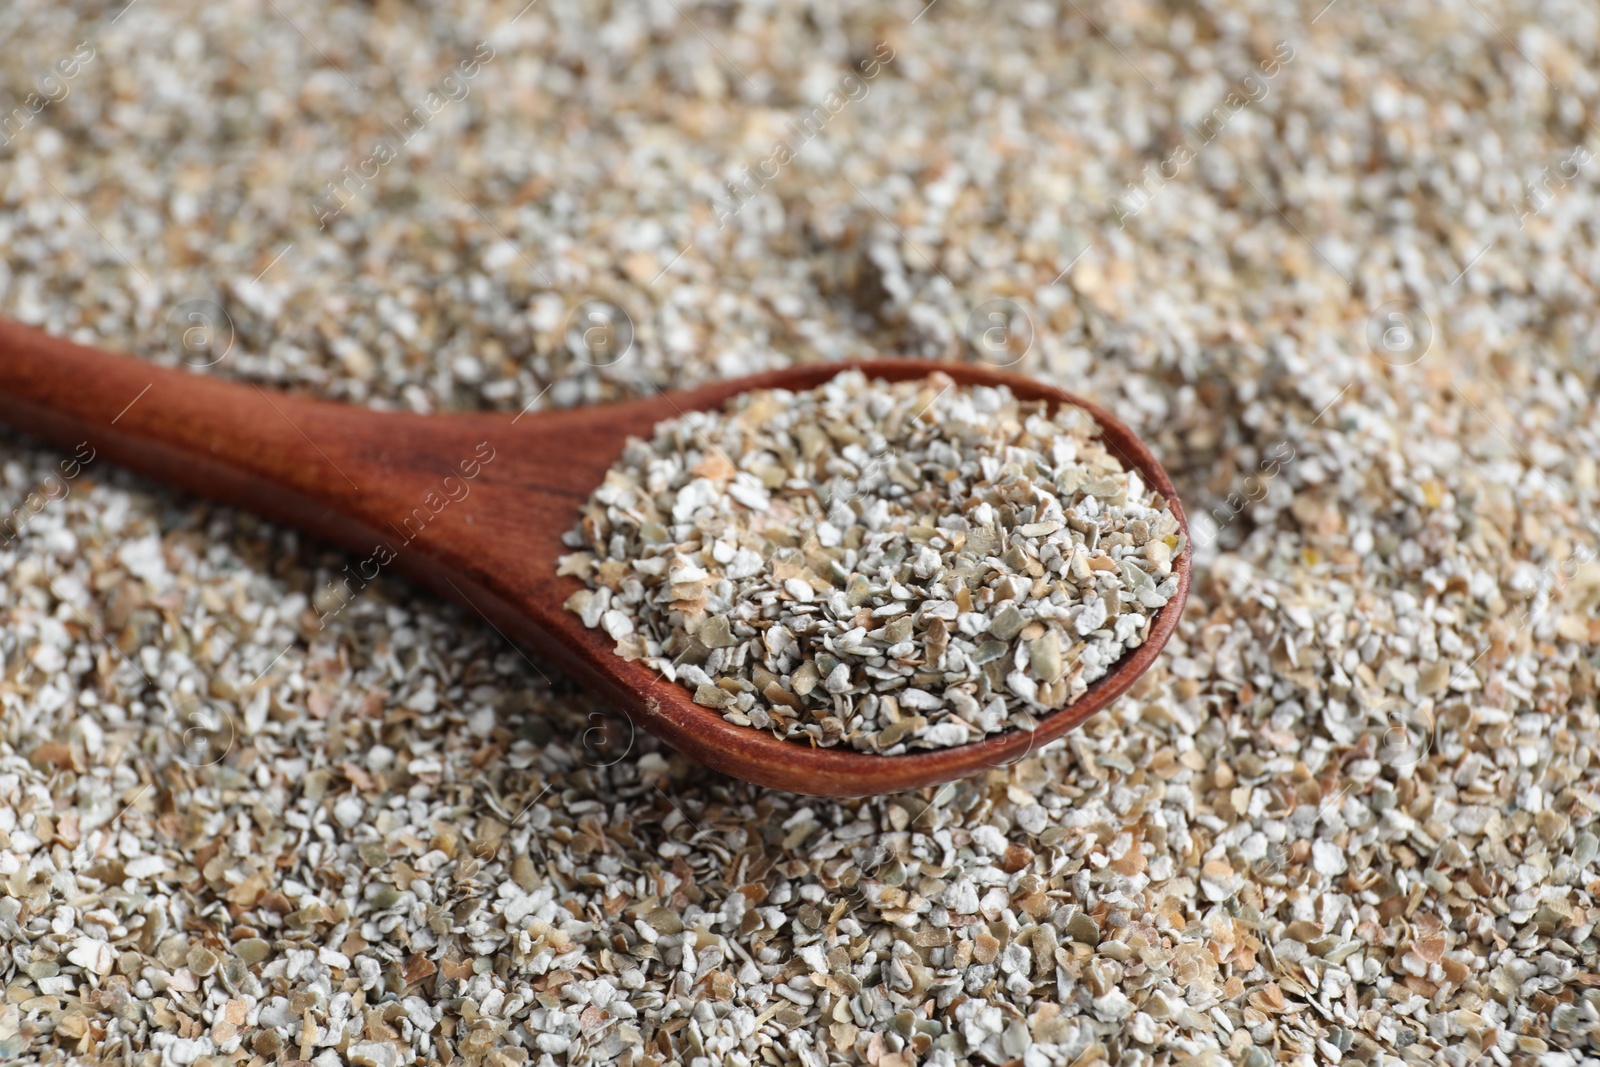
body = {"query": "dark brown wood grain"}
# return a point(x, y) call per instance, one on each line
point(372, 483)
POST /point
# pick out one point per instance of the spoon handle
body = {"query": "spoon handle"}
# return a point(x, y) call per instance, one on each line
point(291, 458)
point(345, 473)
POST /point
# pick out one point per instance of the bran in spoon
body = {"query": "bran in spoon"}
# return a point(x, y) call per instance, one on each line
point(884, 566)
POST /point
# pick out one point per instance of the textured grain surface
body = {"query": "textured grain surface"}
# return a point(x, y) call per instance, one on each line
point(1352, 812)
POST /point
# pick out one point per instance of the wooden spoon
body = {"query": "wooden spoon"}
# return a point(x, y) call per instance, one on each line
point(473, 506)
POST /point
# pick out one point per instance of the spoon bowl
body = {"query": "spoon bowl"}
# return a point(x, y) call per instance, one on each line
point(474, 506)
